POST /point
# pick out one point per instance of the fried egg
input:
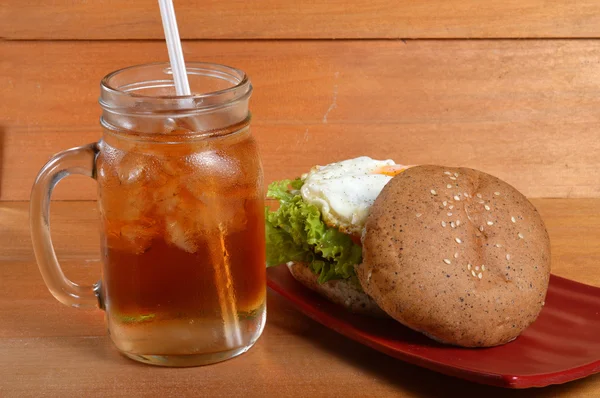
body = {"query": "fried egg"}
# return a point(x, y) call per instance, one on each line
point(344, 191)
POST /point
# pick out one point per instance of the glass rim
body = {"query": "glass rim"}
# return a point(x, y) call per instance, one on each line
point(192, 68)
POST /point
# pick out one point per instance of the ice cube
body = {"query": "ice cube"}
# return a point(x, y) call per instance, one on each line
point(133, 168)
point(135, 203)
point(212, 174)
point(138, 237)
point(215, 164)
point(166, 197)
point(135, 237)
point(171, 166)
point(180, 236)
point(227, 214)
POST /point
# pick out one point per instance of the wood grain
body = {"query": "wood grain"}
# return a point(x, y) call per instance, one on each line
point(281, 19)
point(54, 85)
point(526, 111)
point(563, 164)
point(51, 350)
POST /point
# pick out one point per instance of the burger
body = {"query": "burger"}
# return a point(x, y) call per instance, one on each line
point(454, 253)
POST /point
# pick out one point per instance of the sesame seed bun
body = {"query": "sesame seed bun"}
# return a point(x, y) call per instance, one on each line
point(456, 254)
point(340, 291)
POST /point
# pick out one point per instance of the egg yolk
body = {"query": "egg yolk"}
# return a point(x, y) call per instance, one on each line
point(391, 170)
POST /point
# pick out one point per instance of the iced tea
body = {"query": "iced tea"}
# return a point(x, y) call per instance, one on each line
point(183, 244)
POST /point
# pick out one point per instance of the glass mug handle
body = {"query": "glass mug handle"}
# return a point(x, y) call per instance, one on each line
point(80, 160)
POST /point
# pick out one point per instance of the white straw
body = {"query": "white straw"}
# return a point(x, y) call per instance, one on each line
point(167, 13)
point(224, 285)
point(223, 278)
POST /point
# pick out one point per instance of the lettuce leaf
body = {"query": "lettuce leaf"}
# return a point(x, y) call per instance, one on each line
point(296, 232)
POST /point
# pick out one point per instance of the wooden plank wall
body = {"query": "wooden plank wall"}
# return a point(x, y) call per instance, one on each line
point(332, 79)
point(312, 19)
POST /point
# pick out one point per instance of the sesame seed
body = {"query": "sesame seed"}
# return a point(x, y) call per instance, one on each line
point(444, 224)
point(433, 192)
point(447, 173)
point(513, 219)
point(466, 195)
point(473, 273)
point(445, 203)
point(508, 257)
point(469, 266)
point(452, 178)
point(477, 268)
point(456, 197)
point(481, 228)
point(455, 174)
point(479, 196)
point(458, 240)
point(456, 255)
point(452, 224)
point(498, 245)
point(490, 223)
point(419, 215)
point(449, 214)
point(449, 186)
point(451, 207)
point(482, 267)
point(520, 235)
point(481, 202)
point(497, 193)
point(480, 275)
point(457, 223)
point(447, 261)
point(487, 207)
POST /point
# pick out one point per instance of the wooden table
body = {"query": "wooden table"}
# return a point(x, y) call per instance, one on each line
point(47, 349)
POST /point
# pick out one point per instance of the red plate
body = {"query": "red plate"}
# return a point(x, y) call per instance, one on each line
point(562, 345)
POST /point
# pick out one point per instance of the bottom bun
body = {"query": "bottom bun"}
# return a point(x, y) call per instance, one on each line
point(339, 291)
